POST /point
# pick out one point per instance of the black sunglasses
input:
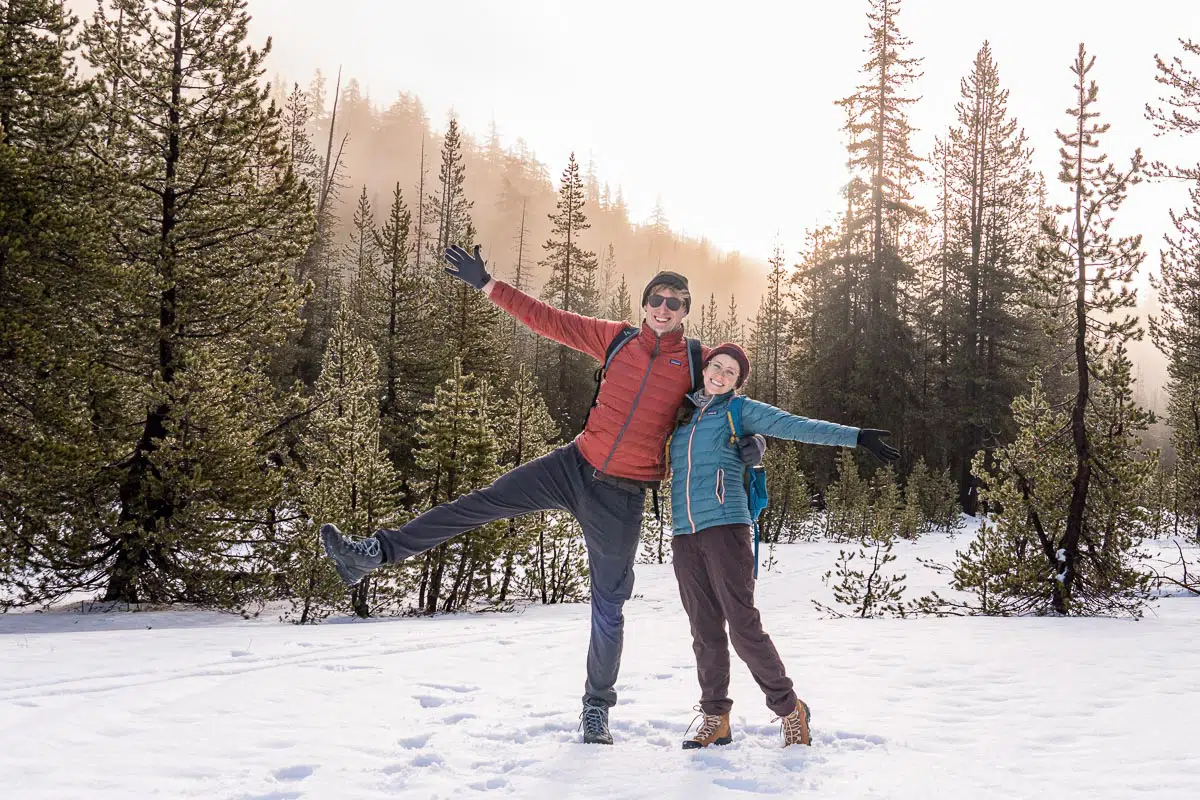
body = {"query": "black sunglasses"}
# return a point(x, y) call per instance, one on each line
point(673, 303)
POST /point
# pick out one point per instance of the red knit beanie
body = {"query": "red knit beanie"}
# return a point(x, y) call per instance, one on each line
point(737, 354)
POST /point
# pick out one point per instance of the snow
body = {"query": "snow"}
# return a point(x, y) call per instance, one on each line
point(187, 704)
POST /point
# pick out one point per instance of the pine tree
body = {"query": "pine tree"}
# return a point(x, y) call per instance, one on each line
point(557, 571)
point(1082, 255)
point(847, 502)
point(879, 215)
point(620, 305)
point(988, 238)
point(519, 336)
point(457, 450)
point(208, 220)
point(296, 122)
point(405, 344)
point(1180, 111)
point(299, 359)
point(914, 520)
point(361, 265)
point(871, 590)
point(57, 291)
point(471, 323)
point(1019, 562)
point(348, 477)
point(732, 329)
point(786, 518)
point(1176, 331)
point(710, 328)
point(776, 323)
point(608, 274)
point(527, 431)
point(318, 269)
point(571, 286)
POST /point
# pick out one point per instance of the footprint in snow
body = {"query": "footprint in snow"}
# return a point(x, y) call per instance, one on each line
point(427, 760)
point(489, 784)
point(450, 687)
point(296, 773)
point(745, 785)
point(414, 742)
point(847, 740)
point(429, 700)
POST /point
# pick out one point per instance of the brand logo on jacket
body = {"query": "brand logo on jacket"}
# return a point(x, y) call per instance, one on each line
point(675, 361)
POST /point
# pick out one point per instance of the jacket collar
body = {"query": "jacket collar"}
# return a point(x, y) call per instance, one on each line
point(699, 398)
point(668, 339)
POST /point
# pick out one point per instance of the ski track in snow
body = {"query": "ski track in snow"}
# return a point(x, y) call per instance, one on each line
point(201, 705)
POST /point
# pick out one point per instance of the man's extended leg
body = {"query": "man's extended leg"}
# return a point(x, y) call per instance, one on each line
point(546, 483)
point(552, 481)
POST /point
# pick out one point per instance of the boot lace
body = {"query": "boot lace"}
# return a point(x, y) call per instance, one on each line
point(366, 548)
point(594, 720)
point(791, 726)
point(708, 727)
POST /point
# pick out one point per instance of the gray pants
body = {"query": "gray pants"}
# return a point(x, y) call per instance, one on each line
point(611, 518)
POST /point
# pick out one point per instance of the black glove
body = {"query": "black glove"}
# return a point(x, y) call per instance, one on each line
point(466, 267)
point(752, 449)
point(871, 440)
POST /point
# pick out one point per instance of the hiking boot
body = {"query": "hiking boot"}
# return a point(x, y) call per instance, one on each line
point(795, 725)
point(353, 559)
point(714, 729)
point(594, 722)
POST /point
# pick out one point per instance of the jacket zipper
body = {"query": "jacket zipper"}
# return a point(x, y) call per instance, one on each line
point(636, 399)
point(688, 482)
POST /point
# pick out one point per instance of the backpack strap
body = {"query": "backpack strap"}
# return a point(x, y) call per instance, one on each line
point(620, 340)
point(733, 412)
point(696, 362)
point(695, 353)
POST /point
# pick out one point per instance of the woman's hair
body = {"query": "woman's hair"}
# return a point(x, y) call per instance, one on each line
point(684, 412)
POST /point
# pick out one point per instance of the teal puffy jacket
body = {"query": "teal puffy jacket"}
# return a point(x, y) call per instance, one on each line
point(707, 474)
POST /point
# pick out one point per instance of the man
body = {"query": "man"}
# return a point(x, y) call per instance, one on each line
point(600, 478)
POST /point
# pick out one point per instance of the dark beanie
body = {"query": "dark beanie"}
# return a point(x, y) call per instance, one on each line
point(737, 354)
point(671, 279)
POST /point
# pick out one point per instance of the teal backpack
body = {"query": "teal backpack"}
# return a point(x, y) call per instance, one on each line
point(756, 476)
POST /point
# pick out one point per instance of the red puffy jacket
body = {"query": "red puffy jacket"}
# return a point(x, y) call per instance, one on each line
point(641, 391)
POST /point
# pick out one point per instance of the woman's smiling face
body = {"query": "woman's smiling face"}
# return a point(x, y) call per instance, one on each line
point(721, 374)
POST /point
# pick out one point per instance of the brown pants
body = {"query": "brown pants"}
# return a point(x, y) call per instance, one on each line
point(715, 569)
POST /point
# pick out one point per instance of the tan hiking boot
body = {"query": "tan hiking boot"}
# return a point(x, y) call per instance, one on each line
point(714, 729)
point(795, 726)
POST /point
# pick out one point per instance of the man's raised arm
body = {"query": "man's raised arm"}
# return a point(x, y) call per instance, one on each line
point(585, 334)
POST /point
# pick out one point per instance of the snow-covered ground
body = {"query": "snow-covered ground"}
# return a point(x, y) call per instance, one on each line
point(194, 704)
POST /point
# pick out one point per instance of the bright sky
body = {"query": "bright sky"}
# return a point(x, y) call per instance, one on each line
point(724, 110)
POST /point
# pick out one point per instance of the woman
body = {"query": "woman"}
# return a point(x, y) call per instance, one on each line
point(713, 557)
